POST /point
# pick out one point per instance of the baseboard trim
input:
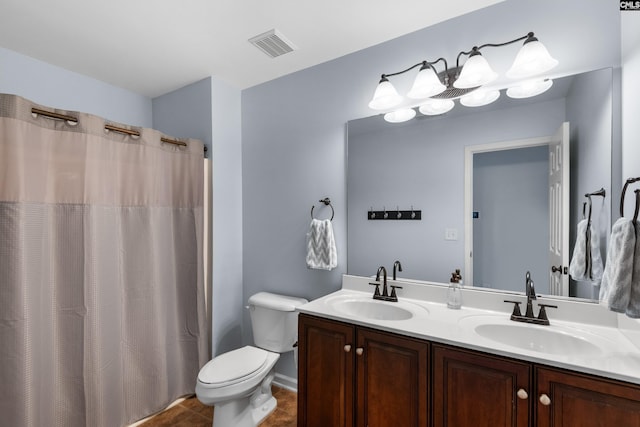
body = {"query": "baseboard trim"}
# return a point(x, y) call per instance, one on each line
point(286, 382)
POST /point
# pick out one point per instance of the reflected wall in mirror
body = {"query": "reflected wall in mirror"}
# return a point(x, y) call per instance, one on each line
point(420, 164)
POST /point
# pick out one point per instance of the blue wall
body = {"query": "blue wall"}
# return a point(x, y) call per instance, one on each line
point(56, 87)
point(210, 111)
point(293, 128)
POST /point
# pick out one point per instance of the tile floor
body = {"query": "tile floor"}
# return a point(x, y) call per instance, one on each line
point(192, 413)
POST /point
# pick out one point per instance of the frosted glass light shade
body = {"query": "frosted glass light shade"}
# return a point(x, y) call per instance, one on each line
point(532, 59)
point(529, 88)
point(433, 107)
point(476, 71)
point(426, 84)
point(385, 96)
point(479, 98)
point(400, 116)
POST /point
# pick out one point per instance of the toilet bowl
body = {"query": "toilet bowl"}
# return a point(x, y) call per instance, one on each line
point(238, 383)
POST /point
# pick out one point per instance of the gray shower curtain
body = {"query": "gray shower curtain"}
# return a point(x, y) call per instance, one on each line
point(102, 314)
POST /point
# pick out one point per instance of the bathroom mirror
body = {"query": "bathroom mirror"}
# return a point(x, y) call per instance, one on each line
point(420, 165)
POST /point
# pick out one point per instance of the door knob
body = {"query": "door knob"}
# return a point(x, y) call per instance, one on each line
point(522, 394)
point(359, 351)
point(347, 348)
point(557, 269)
point(545, 400)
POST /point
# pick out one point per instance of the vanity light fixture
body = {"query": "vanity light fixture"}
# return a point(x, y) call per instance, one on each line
point(529, 88)
point(401, 115)
point(480, 97)
point(433, 91)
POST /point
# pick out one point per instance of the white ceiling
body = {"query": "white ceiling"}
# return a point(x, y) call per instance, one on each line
point(155, 46)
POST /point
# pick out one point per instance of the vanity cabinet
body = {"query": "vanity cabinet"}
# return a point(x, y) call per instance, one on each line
point(356, 376)
point(570, 399)
point(475, 389)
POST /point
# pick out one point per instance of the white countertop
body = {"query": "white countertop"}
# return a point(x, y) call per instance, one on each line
point(617, 357)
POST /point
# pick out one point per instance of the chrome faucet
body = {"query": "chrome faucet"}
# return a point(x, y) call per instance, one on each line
point(396, 265)
point(384, 296)
point(530, 292)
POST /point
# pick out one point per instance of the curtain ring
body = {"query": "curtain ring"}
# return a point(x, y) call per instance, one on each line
point(327, 202)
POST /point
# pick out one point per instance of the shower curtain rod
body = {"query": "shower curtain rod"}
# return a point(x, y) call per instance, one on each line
point(59, 116)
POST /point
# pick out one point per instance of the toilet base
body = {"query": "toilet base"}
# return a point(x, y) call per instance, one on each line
point(246, 411)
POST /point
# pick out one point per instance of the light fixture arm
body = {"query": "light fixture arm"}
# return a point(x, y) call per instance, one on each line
point(423, 64)
point(476, 49)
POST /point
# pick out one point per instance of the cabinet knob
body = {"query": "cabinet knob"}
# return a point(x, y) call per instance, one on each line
point(359, 351)
point(522, 394)
point(545, 400)
point(347, 348)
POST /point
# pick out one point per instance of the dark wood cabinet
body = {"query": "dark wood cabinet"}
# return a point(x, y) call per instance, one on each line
point(571, 399)
point(475, 389)
point(392, 380)
point(355, 376)
point(325, 372)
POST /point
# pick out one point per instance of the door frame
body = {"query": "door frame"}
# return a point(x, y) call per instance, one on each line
point(469, 151)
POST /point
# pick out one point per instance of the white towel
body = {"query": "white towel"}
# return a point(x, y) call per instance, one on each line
point(620, 288)
point(586, 265)
point(321, 245)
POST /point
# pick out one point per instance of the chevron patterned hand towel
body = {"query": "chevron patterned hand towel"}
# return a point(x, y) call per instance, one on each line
point(321, 246)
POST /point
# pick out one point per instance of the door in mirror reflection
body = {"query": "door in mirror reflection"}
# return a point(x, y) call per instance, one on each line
point(519, 191)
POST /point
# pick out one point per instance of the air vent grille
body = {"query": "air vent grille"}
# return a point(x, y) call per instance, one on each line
point(272, 43)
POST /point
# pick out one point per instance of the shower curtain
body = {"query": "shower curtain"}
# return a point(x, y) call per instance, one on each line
point(102, 313)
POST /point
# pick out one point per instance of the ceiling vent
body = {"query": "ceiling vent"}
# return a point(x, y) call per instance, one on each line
point(273, 43)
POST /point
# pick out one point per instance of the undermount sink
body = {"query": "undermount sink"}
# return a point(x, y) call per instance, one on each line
point(542, 339)
point(369, 308)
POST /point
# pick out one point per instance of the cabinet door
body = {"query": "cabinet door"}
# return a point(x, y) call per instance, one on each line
point(325, 373)
point(475, 390)
point(392, 380)
point(568, 399)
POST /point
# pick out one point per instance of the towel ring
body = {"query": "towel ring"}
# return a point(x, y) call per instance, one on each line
point(326, 202)
point(624, 189)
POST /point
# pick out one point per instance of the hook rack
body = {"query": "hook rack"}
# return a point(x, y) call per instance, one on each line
point(327, 202)
point(384, 214)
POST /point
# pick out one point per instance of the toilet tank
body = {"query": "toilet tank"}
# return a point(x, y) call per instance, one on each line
point(274, 320)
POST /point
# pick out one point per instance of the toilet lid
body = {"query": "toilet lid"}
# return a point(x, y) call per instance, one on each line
point(234, 365)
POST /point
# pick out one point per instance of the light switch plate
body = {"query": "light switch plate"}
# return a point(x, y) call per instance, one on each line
point(450, 234)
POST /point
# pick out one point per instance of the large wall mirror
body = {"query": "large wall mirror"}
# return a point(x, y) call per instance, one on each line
point(420, 165)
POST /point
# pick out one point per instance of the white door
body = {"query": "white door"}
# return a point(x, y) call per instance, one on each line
point(559, 212)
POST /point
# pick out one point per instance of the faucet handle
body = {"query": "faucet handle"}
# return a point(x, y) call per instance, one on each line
point(516, 308)
point(542, 315)
point(376, 293)
point(393, 291)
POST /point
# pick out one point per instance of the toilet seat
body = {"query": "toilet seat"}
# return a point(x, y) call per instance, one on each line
point(233, 367)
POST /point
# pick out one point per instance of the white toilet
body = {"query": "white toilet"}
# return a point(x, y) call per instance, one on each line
point(238, 383)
